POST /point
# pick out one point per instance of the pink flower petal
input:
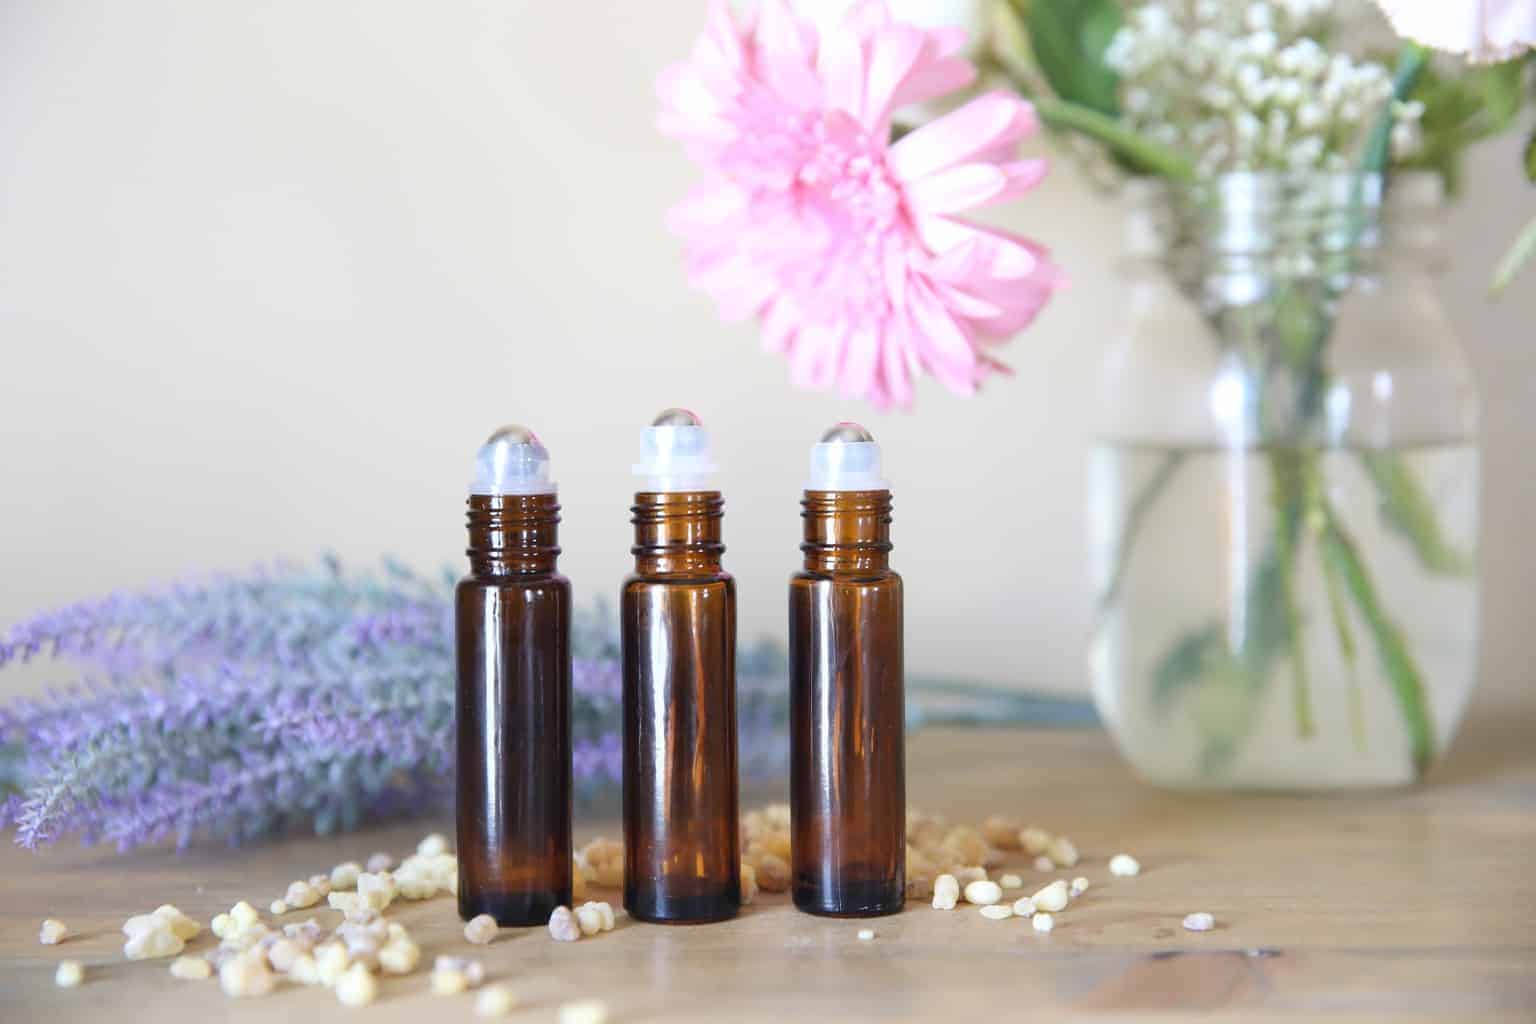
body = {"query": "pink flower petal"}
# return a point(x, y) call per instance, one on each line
point(984, 123)
point(840, 63)
point(779, 325)
point(786, 54)
point(1484, 30)
point(894, 52)
point(857, 376)
point(956, 189)
point(949, 40)
point(934, 80)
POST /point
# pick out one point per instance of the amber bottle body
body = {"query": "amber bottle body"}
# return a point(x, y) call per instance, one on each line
point(682, 861)
point(513, 628)
point(847, 716)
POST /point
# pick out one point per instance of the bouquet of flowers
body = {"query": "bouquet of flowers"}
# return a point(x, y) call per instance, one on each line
point(835, 189)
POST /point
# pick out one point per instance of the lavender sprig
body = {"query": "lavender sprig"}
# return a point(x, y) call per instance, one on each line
point(241, 705)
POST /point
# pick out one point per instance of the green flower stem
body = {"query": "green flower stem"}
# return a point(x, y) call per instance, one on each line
point(1291, 471)
point(1135, 518)
point(1146, 155)
point(1411, 60)
point(1339, 548)
point(1407, 509)
point(1333, 581)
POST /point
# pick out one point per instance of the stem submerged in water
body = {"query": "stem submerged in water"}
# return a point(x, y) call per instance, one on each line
point(1135, 516)
point(1290, 471)
point(1391, 649)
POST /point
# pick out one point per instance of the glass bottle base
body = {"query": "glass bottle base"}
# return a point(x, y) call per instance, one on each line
point(705, 909)
point(514, 909)
point(864, 899)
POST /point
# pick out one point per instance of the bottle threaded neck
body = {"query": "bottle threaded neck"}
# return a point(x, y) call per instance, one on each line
point(513, 534)
point(846, 531)
point(677, 532)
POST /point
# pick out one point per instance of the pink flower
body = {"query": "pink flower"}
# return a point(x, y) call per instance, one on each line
point(849, 249)
point(1484, 30)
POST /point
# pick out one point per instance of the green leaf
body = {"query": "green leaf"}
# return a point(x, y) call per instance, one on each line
point(1391, 648)
point(1186, 664)
point(1407, 509)
point(1069, 38)
point(1530, 158)
point(1519, 254)
point(1459, 110)
point(1500, 87)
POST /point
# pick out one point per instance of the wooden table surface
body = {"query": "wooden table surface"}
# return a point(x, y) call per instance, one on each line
point(1420, 901)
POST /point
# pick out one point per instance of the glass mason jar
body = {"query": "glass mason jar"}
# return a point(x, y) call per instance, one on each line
point(1284, 488)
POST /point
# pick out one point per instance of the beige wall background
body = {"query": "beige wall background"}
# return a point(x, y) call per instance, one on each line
point(270, 272)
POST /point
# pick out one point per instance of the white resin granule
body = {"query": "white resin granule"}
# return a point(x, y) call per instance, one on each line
point(481, 929)
point(1079, 886)
point(52, 932)
point(585, 1011)
point(1044, 863)
point(302, 894)
point(69, 974)
point(278, 908)
point(182, 926)
point(1123, 865)
point(344, 875)
point(495, 1001)
point(1043, 923)
point(433, 845)
point(983, 893)
point(246, 975)
point(399, 956)
point(563, 926)
point(1199, 922)
point(588, 919)
point(1062, 852)
point(1034, 840)
point(866, 934)
point(1052, 898)
point(452, 975)
point(946, 892)
point(375, 891)
point(1023, 907)
point(967, 874)
point(191, 968)
point(997, 911)
point(357, 987)
point(1011, 882)
point(380, 861)
point(153, 942)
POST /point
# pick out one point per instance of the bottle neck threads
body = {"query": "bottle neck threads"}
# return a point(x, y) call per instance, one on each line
point(677, 533)
point(847, 531)
point(513, 534)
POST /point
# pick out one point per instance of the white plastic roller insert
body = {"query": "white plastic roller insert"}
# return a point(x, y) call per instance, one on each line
point(512, 461)
point(675, 454)
point(846, 459)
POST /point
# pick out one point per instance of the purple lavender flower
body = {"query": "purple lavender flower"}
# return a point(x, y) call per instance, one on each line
point(241, 705)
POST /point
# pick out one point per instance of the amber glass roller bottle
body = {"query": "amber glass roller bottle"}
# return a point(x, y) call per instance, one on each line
point(847, 757)
point(677, 612)
point(513, 630)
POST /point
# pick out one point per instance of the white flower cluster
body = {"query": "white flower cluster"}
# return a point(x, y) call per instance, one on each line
point(1246, 85)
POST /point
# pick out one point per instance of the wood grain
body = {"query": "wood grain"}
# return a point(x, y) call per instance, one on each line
point(1417, 901)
